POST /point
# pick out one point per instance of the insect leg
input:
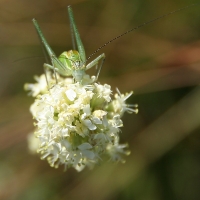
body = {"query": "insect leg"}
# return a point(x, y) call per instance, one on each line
point(56, 63)
point(45, 73)
point(98, 72)
point(80, 46)
point(74, 46)
point(95, 63)
point(54, 70)
point(47, 66)
point(43, 40)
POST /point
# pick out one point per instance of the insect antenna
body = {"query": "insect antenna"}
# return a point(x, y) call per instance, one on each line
point(137, 27)
point(27, 58)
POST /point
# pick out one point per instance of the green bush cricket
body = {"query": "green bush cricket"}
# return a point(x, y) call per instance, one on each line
point(73, 62)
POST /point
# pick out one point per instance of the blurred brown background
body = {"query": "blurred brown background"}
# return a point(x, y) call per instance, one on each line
point(160, 62)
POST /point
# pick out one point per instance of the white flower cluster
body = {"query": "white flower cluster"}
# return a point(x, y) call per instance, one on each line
point(76, 124)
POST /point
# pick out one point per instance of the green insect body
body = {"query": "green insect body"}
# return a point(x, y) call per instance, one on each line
point(73, 62)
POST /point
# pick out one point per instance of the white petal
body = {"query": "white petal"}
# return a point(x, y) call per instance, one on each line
point(88, 154)
point(51, 121)
point(89, 124)
point(66, 144)
point(79, 168)
point(96, 120)
point(65, 132)
point(71, 95)
point(100, 136)
point(86, 110)
point(85, 146)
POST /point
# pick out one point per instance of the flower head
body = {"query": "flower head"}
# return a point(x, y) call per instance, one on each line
point(76, 124)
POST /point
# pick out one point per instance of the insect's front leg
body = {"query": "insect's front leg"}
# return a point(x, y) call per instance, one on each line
point(95, 63)
point(47, 66)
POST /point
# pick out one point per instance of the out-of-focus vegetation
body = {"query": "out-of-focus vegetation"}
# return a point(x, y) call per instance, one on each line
point(160, 62)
